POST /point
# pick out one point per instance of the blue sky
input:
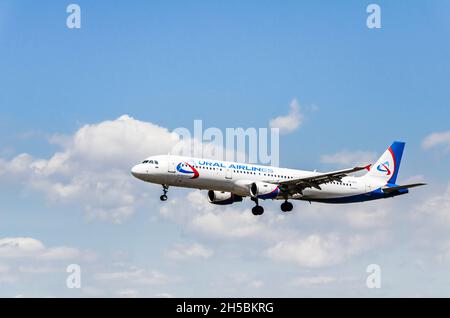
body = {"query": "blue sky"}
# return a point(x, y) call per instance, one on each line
point(242, 61)
point(233, 64)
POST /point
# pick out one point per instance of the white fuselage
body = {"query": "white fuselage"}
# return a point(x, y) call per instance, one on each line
point(236, 177)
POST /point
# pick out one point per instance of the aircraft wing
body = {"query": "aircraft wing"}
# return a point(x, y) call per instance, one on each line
point(406, 186)
point(316, 180)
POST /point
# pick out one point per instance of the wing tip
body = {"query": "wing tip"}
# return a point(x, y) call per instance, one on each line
point(367, 167)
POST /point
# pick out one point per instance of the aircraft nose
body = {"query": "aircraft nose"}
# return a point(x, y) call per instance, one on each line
point(135, 171)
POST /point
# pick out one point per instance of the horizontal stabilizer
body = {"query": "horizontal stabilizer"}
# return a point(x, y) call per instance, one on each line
point(406, 186)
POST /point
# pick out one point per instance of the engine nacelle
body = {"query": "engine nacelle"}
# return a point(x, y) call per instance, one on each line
point(264, 190)
point(223, 198)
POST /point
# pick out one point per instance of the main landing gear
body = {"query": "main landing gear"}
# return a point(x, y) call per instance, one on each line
point(257, 209)
point(286, 206)
point(164, 196)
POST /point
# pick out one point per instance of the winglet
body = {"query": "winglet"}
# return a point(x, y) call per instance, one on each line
point(359, 168)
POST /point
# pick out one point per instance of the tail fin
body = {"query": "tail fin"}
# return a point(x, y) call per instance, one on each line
point(386, 168)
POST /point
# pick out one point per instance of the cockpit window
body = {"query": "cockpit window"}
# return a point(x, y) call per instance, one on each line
point(150, 161)
point(156, 162)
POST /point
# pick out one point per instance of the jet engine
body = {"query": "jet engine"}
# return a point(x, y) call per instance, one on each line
point(264, 190)
point(223, 198)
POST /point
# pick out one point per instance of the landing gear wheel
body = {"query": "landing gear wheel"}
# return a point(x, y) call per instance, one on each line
point(286, 206)
point(165, 189)
point(257, 210)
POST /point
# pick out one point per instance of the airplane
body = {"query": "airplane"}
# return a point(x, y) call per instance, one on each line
point(230, 182)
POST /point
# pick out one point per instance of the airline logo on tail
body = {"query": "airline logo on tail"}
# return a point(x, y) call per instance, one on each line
point(182, 166)
point(388, 164)
point(384, 167)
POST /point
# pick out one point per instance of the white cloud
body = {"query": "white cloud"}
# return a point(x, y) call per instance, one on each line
point(321, 280)
point(12, 247)
point(116, 142)
point(135, 275)
point(443, 255)
point(279, 232)
point(437, 207)
point(35, 269)
point(60, 253)
point(363, 218)
point(3, 165)
point(318, 250)
point(439, 139)
point(111, 194)
point(185, 251)
point(218, 222)
point(91, 291)
point(4, 268)
point(115, 215)
point(8, 279)
point(256, 284)
point(164, 295)
point(27, 247)
point(128, 293)
point(92, 169)
point(239, 280)
point(231, 224)
point(26, 257)
point(289, 122)
point(312, 280)
point(18, 164)
point(350, 158)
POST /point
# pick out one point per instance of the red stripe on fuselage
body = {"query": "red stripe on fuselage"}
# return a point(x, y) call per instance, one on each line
point(196, 174)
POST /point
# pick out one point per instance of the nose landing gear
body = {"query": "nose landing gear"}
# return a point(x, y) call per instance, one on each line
point(164, 196)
